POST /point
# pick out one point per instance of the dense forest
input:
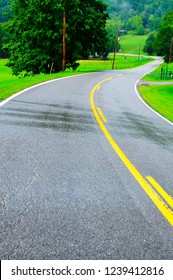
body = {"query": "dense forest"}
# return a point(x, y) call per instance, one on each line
point(138, 16)
point(132, 15)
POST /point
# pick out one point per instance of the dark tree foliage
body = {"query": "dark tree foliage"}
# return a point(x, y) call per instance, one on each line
point(149, 45)
point(3, 34)
point(36, 33)
point(165, 36)
point(5, 8)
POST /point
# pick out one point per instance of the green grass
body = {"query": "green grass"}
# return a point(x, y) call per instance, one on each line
point(155, 76)
point(160, 98)
point(10, 84)
point(121, 62)
point(132, 44)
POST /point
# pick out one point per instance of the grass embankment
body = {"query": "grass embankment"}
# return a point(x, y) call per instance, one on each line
point(10, 84)
point(159, 97)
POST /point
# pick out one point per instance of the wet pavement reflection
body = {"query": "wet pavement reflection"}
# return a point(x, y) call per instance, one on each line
point(138, 127)
point(52, 116)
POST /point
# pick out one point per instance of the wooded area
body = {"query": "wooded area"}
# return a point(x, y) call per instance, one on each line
point(87, 25)
point(138, 16)
point(35, 33)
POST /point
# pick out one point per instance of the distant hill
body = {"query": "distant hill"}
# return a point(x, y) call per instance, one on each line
point(138, 16)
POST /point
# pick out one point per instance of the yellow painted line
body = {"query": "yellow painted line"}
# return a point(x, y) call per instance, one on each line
point(99, 87)
point(159, 203)
point(101, 115)
point(161, 191)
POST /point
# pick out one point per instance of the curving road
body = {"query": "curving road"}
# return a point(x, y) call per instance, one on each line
point(86, 171)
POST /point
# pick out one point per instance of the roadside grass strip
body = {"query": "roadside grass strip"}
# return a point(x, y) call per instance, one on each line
point(160, 98)
point(10, 84)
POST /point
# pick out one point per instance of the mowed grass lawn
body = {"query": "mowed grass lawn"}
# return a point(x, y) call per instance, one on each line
point(160, 98)
point(10, 84)
point(132, 43)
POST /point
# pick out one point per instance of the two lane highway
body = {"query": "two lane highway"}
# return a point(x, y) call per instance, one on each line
point(86, 171)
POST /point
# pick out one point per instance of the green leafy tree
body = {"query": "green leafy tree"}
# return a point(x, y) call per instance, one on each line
point(1, 36)
point(151, 12)
point(36, 33)
point(149, 44)
point(4, 9)
point(137, 25)
point(164, 36)
point(112, 27)
point(3, 53)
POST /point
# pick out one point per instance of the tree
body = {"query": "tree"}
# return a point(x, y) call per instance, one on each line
point(112, 27)
point(4, 8)
point(149, 44)
point(3, 35)
point(164, 36)
point(36, 33)
point(151, 12)
point(137, 25)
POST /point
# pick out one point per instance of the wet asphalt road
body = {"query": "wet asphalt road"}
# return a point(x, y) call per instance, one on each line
point(65, 193)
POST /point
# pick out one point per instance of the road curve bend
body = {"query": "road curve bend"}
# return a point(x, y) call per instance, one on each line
point(86, 171)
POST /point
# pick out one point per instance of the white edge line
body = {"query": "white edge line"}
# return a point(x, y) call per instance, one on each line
point(139, 96)
point(2, 103)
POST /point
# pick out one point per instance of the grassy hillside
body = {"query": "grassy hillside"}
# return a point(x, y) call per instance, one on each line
point(132, 44)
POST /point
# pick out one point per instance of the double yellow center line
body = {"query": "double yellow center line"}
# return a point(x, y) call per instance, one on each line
point(160, 198)
point(101, 115)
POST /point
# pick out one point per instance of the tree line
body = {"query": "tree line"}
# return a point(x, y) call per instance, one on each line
point(32, 30)
point(139, 17)
point(161, 42)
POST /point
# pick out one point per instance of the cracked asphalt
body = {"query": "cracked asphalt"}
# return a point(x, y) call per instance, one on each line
point(65, 193)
